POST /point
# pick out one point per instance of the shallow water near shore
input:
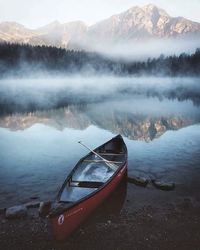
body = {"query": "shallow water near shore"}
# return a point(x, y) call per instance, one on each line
point(39, 149)
point(35, 161)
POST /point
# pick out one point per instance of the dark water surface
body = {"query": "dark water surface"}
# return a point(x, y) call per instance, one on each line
point(38, 149)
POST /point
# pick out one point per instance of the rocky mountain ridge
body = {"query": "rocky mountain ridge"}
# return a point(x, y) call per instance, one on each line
point(135, 24)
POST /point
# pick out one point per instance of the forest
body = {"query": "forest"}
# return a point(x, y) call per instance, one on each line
point(21, 60)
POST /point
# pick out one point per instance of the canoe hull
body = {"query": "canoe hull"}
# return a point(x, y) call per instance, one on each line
point(64, 224)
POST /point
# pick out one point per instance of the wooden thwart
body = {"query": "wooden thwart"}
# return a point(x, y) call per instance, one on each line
point(110, 154)
point(99, 161)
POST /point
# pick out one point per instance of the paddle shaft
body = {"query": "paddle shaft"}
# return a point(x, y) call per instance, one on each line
point(112, 166)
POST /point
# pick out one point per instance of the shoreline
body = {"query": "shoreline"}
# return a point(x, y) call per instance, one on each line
point(142, 218)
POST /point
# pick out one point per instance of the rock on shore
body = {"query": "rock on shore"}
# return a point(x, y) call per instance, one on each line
point(16, 212)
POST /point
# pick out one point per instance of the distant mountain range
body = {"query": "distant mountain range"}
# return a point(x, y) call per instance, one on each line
point(136, 24)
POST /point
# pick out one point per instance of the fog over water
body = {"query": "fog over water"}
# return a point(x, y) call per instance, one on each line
point(42, 120)
point(32, 94)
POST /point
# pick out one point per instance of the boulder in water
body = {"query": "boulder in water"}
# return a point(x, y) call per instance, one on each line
point(167, 186)
point(137, 180)
point(16, 212)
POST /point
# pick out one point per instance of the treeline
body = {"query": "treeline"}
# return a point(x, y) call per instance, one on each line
point(23, 59)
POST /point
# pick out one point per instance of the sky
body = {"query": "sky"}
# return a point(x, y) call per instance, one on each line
point(36, 13)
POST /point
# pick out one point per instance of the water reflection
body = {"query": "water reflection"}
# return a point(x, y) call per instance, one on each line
point(136, 119)
point(39, 149)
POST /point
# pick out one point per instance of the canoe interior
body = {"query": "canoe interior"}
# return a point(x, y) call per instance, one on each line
point(91, 172)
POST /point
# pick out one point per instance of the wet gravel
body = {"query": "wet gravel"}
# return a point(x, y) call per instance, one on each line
point(139, 224)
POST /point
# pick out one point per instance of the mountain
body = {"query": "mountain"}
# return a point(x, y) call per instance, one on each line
point(53, 34)
point(139, 23)
point(14, 32)
point(136, 24)
point(60, 35)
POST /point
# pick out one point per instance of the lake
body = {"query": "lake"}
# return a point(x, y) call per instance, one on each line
point(38, 143)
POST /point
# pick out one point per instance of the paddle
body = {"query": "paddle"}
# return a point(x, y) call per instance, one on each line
point(111, 165)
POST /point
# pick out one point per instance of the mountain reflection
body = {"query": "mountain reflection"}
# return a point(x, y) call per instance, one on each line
point(68, 117)
point(134, 119)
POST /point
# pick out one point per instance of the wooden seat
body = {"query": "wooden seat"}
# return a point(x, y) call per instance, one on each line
point(86, 184)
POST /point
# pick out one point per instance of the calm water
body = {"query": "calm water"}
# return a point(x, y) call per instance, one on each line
point(38, 149)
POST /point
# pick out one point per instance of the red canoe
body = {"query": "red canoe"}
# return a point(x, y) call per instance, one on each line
point(91, 181)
